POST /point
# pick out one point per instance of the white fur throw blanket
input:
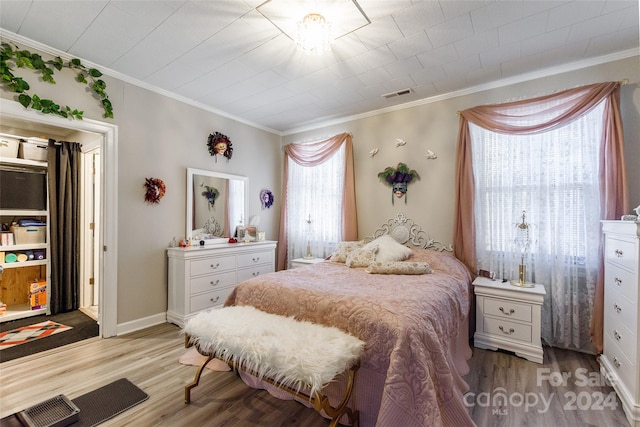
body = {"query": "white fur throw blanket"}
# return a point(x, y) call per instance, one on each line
point(292, 353)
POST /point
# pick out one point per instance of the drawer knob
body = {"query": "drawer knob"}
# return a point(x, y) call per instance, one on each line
point(214, 300)
point(618, 281)
point(255, 273)
point(215, 283)
point(616, 362)
point(618, 253)
point(214, 266)
point(617, 308)
point(255, 259)
point(511, 330)
point(617, 335)
point(511, 311)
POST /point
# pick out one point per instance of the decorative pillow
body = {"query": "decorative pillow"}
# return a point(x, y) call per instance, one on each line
point(389, 250)
point(399, 267)
point(362, 257)
point(343, 249)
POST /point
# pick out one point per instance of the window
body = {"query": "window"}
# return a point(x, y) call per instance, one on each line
point(554, 177)
point(315, 193)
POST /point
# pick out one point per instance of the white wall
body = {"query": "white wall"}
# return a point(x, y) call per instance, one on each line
point(434, 126)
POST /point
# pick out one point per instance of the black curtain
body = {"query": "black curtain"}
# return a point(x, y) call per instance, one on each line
point(64, 215)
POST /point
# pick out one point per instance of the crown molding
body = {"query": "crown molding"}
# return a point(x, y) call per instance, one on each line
point(547, 72)
point(16, 38)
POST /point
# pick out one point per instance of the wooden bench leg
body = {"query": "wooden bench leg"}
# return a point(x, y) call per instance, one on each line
point(322, 403)
point(196, 380)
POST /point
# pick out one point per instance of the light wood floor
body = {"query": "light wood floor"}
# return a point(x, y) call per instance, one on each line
point(148, 358)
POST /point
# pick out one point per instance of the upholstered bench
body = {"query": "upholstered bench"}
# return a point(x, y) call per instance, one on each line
point(297, 356)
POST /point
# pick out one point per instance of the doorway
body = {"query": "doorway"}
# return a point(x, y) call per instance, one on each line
point(93, 135)
point(90, 230)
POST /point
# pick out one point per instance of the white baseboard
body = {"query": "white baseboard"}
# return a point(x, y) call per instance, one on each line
point(145, 322)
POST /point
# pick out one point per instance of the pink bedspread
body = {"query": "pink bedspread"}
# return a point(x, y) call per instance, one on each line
point(410, 323)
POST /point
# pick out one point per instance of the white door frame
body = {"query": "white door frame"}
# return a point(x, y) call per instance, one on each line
point(108, 240)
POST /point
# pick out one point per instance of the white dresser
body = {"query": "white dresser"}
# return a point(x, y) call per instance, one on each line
point(203, 277)
point(620, 360)
point(508, 317)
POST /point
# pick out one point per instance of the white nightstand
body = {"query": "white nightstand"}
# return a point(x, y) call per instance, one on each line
point(508, 317)
point(301, 262)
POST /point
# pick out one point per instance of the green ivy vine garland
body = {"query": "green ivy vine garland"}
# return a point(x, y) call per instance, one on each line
point(12, 56)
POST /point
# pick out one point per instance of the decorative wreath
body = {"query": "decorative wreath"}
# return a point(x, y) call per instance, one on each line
point(266, 197)
point(155, 190)
point(218, 143)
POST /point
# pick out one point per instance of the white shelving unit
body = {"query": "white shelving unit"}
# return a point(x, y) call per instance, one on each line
point(11, 281)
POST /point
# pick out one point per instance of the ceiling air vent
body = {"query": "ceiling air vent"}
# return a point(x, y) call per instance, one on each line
point(398, 93)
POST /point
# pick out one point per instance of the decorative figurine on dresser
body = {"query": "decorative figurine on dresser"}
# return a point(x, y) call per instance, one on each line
point(620, 360)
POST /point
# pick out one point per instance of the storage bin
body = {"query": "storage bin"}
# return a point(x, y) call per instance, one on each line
point(9, 147)
point(33, 149)
point(28, 235)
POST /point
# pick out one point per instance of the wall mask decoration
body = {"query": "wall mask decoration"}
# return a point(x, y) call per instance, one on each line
point(266, 197)
point(211, 194)
point(398, 179)
point(155, 190)
point(219, 144)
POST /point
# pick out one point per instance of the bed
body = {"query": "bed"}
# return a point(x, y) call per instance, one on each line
point(414, 326)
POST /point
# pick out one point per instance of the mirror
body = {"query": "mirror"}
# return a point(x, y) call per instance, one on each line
point(216, 203)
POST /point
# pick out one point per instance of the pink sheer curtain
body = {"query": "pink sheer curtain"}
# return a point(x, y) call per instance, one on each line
point(568, 105)
point(311, 155)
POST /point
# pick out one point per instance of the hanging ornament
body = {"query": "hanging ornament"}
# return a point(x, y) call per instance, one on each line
point(155, 190)
point(398, 179)
point(219, 144)
point(266, 198)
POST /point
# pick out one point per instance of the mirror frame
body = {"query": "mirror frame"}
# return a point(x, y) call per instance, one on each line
point(190, 173)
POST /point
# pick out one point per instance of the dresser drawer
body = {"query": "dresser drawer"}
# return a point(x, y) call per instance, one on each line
point(620, 308)
point(248, 273)
point(624, 339)
point(622, 365)
point(213, 282)
point(622, 253)
point(622, 281)
point(210, 265)
point(255, 258)
point(505, 329)
point(507, 309)
point(209, 299)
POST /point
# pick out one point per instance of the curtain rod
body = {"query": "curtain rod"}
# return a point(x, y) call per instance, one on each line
point(621, 82)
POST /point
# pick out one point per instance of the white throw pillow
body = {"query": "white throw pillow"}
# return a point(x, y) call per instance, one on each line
point(389, 250)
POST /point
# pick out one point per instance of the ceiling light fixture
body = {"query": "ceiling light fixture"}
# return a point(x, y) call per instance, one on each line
point(314, 34)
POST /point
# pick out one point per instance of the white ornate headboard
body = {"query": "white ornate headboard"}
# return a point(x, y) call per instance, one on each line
point(407, 232)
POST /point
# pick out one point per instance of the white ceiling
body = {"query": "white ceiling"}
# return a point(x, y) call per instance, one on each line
point(227, 56)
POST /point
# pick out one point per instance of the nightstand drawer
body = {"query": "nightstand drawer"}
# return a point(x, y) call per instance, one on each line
point(255, 258)
point(213, 282)
point(210, 265)
point(210, 299)
point(503, 329)
point(507, 309)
